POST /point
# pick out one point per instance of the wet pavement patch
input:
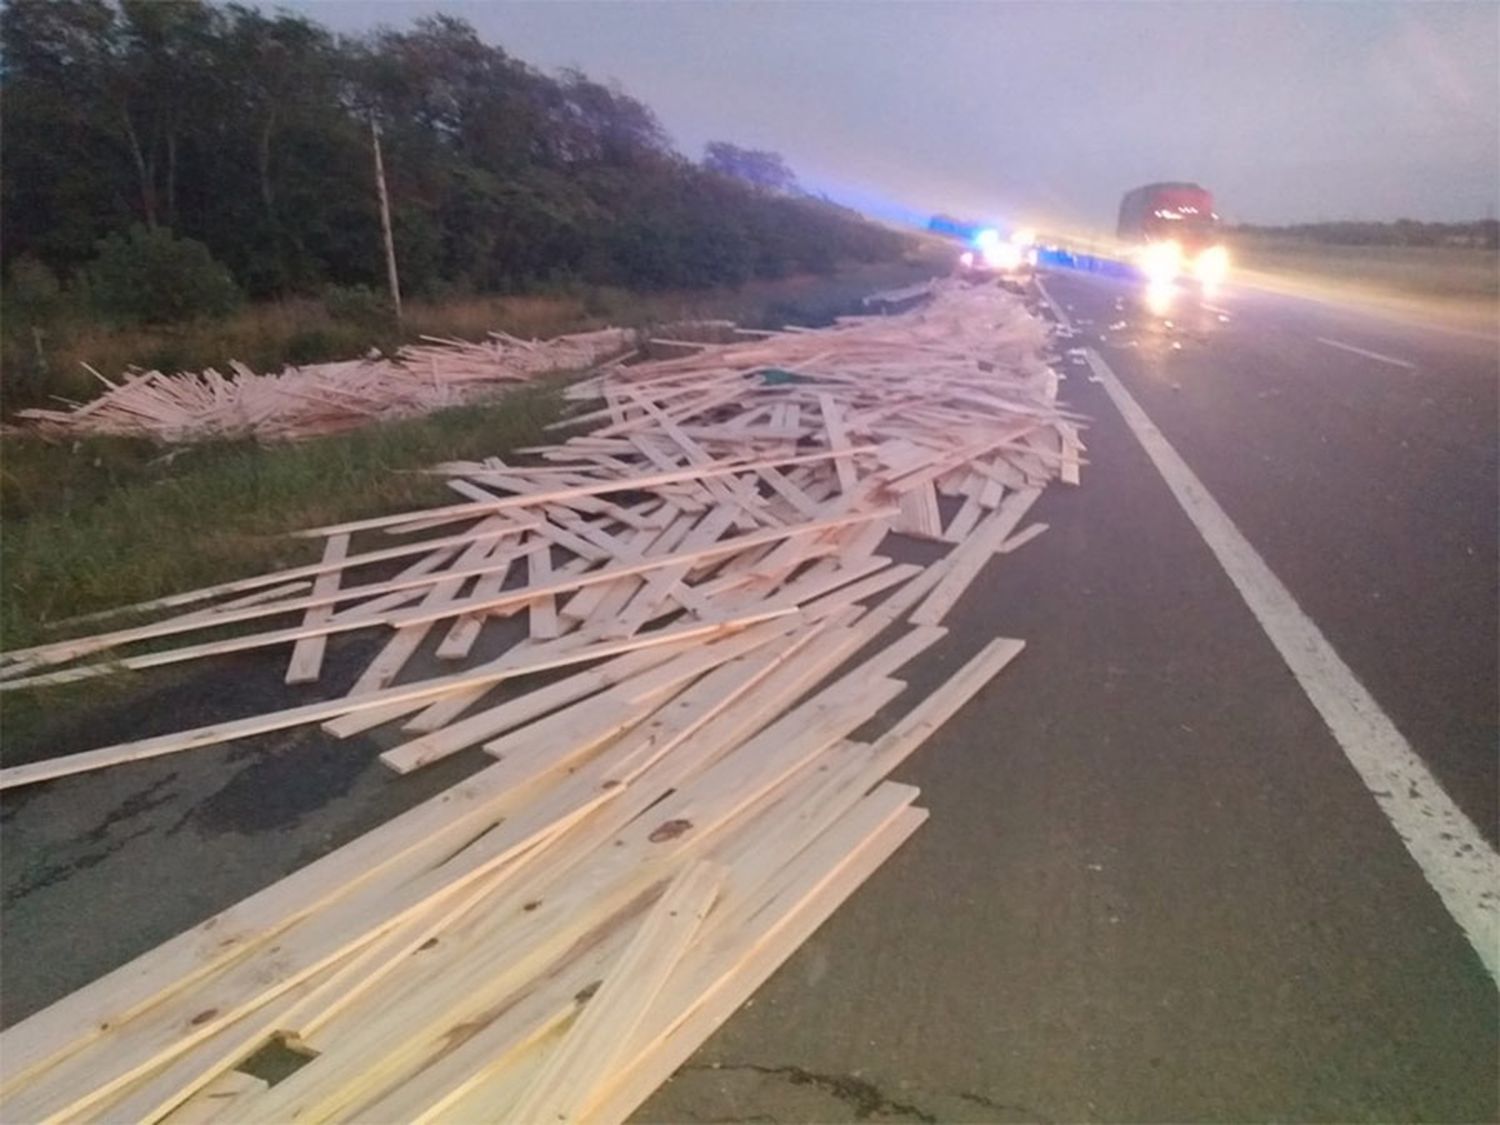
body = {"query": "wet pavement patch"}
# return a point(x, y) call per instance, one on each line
point(297, 775)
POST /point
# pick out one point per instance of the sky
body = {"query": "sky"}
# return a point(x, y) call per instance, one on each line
point(1045, 113)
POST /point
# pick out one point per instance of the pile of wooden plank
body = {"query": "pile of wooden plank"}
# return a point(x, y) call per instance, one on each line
point(322, 398)
point(691, 792)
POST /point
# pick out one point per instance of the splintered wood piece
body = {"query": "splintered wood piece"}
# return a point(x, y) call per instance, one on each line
point(492, 673)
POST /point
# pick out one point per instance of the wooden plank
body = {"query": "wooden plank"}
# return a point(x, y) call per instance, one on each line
point(455, 512)
point(176, 1024)
point(668, 581)
point(518, 1041)
point(970, 558)
point(492, 721)
point(658, 757)
point(1021, 538)
point(963, 521)
point(387, 664)
point(919, 724)
point(180, 1082)
point(454, 608)
point(311, 570)
point(583, 605)
point(919, 512)
point(697, 554)
point(588, 1052)
point(838, 441)
point(56, 1031)
point(216, 1098)
point(574, 732)
point(59, 651)
point(425, 565)
point(542, 611)
point(462, 634)
point(536, 936)
point(811, 901)
point(493, 672)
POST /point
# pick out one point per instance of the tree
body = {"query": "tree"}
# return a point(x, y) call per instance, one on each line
point(150, 276)
point(761, 169)
point(246, 132)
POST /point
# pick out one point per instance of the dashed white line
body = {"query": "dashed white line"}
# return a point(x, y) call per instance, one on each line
point(1455, 859)
point(1368, 354)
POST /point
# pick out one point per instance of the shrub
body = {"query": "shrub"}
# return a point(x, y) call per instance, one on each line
point(358, 304)
point(150, 276)
point(32, 293)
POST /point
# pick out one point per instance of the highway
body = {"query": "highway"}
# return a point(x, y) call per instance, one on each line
point(1158, 882)
point(1154, 886)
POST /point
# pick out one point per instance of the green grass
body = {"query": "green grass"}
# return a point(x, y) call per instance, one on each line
point(109, 522)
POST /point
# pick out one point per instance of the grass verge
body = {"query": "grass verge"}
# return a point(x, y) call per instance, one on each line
point(1454, 285)
point(1454, 272)
point(112, 521)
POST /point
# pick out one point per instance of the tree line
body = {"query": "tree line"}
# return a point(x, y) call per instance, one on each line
point(134, 128)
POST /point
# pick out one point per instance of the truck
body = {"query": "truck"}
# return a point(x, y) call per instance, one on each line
point(1171, 229)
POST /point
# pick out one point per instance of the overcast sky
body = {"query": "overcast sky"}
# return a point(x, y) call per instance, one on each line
point(1046, 113)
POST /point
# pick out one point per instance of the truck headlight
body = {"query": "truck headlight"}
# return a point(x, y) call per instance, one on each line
point(1212, 266)
point(1162, 262)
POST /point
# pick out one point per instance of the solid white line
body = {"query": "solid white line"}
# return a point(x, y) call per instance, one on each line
point(1368, 354)
point(1456, 860)
point(1062, 317)
point(1214, 309)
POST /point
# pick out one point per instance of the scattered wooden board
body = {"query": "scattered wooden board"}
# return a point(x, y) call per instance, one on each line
point(671, 814)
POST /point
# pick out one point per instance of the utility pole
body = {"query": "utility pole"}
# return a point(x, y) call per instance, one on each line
point(385, 223)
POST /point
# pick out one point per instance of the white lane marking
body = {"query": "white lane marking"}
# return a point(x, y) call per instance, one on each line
point(1062, 317)
point(1456, 860)
point(1368, 354)
point(1214, 309)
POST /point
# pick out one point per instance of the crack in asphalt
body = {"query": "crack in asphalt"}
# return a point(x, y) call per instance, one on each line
point(133, 806)
point(1025, 1111)
point(861, 1095)
point(865, 1098)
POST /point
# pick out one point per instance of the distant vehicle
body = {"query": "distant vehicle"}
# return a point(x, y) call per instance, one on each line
point(989, 256)
point(1173, 230)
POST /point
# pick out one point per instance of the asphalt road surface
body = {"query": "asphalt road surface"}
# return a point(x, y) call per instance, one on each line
point(1154, 886)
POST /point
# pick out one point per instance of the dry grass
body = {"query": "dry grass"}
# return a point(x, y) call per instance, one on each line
point(1449, 273)
point(268, 336)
